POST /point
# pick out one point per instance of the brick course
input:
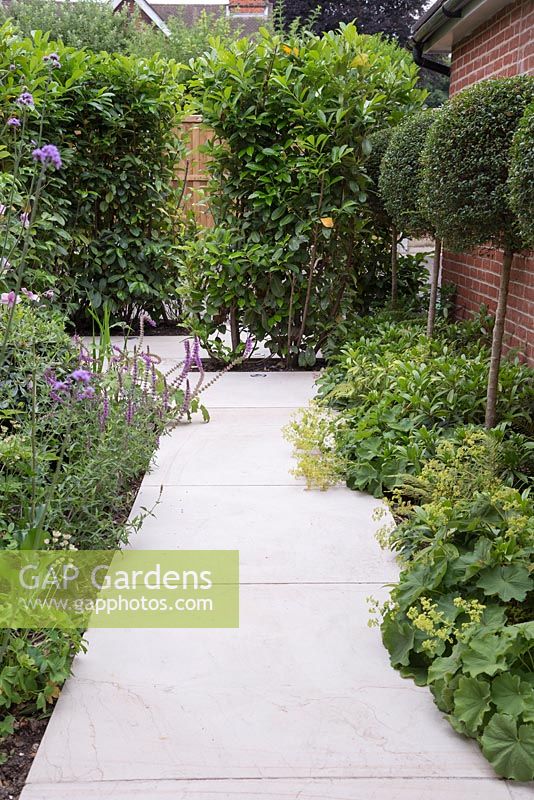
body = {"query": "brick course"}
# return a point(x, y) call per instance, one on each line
point(504, 45)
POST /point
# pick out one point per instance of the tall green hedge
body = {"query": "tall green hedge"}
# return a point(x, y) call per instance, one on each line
point(521, 180)
point(106, 230)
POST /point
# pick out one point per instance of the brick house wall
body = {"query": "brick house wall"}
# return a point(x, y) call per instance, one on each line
point(504, 45)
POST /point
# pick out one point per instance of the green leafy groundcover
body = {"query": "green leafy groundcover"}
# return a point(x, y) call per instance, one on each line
point(460, 619)
point(405, 419)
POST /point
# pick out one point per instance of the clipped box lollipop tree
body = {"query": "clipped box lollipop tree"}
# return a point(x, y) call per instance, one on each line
point(379, 142)
point(401, 175)
point(466, 184)
point(521, 180)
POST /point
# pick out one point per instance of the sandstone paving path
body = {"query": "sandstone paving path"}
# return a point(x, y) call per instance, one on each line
point(300, 700)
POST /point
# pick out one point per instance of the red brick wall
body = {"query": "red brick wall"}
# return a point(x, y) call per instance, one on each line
point(504, 45)
point(248, 6)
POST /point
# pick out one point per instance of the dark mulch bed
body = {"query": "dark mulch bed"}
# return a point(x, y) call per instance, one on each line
point(19, 749)
point(261, 365)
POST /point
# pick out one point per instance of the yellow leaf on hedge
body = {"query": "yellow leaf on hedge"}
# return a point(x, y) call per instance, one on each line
point(286, 49)
point(328, 222)
point(361, 60)
point(295, 51)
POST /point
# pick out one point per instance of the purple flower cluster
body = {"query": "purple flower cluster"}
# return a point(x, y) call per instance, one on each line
point(13, 122)
point(76, 385)
point(53, 60)
point(26, 100)
point(25, 219)
point(48, 154)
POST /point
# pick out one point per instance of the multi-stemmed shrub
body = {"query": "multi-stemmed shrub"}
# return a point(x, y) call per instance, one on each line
point(107, 228)
point(292, 119)
point(466, 191)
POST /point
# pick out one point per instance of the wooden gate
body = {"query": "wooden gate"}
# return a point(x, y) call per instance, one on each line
point(193, 169)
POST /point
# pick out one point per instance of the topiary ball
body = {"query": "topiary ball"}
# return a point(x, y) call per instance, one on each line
point(467, 161)
point(521, 178)
point(379, 143)
point(401, 174)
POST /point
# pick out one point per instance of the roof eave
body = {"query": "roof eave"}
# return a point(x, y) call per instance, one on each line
point(447, 22)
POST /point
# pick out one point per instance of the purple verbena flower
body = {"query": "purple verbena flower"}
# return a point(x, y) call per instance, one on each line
point(26, 99)
point(25, 219)
point(86, 394)
point(81, 375)
point(53, 60)
point(4, 264)
point(57, 388)
point(9, 299)
point(48, 154)
point(49, 294)
point(13, 122)
point(60, 386)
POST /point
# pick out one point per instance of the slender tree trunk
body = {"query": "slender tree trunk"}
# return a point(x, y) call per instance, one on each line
point(496, 344)
point(434, 283)
point(234, 328)
point(290, 324)
point(394, 267)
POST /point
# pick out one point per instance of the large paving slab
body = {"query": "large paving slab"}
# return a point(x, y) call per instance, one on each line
point(300, 700)
point(239, 447)
point(286, 789)
point(283, 534)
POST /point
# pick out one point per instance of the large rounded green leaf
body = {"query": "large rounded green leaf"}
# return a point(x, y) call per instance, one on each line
point(471, 701)
point(510, 693)
point(509, 749)
point(398, 639)
point(509, 583)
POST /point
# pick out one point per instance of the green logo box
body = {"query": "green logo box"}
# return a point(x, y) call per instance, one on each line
point(119, 589)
